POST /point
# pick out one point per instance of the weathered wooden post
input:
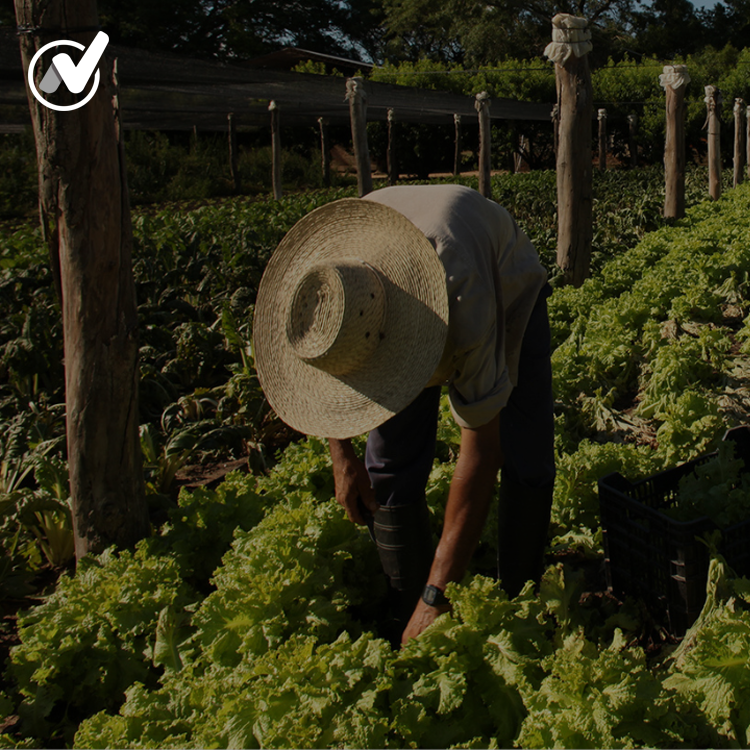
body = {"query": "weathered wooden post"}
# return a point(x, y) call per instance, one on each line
point(633, 139)
point(457, 142)
point(325, 149)
point(602, 115)
point(523, 144)
point(571, 43)
point(482, 106)
point(739, 142)
point(390, 157)
point(674, 81)
point(273, 108)
point(85, 218)
point(713, 123)
point(234, 169)
point(357, 97)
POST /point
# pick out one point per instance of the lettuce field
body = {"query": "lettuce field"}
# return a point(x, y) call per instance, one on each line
point(250, 616)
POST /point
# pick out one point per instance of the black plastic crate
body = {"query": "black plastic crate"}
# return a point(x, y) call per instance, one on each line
point(650, 555)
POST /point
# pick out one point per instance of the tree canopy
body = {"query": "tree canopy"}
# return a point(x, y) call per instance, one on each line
point(245, 28)
point(466, 32)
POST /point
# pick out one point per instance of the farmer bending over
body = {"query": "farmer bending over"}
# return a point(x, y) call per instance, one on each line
point(367, 308)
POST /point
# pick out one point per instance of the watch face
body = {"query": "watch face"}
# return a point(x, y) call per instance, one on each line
point(433, 595)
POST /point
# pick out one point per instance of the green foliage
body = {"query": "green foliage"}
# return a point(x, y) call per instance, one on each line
point(600, 698)
point(280, 648)
point(287, 573)
point(92, 638)
point(645, 334)
point(201, 528)
point(18, 174)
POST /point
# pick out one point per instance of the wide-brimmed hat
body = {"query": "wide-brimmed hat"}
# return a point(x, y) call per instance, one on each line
point(350, 320)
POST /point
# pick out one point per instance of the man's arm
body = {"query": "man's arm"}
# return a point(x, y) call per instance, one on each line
point(351, 479)
point(471, 492)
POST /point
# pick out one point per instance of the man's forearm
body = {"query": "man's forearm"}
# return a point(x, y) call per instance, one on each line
point(469, 500)
point(468, 504)
point(341, 450)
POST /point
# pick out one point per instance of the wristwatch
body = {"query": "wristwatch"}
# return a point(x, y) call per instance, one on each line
point(433, 596)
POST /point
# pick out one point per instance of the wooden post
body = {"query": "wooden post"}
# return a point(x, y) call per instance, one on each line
point(273, 108)
point(85, 216)
point(390, 156)
point(325, 150)
point(739, 142)
point(674, 80)
point(518, 156)
point(633, 139)
point(602, 115)
point(482, 105)
point(357, 97)
point(569, 49)
point(234, 169)
point(457, 142)
point(713, 123)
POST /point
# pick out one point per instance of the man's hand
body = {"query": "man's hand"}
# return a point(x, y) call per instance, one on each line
point(352, 480)
point(424, 615)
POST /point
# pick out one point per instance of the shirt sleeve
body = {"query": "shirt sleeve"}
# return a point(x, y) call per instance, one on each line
point(481, 385)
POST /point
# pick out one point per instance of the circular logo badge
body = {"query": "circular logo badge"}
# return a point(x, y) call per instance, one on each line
point(59, 107)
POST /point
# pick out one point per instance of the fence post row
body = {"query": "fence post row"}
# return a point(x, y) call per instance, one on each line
point(457, 149)
point(674, 81)
point(390, 156)
point(739, 154)
point(571, 43)
point(325, 149)
point(357, 98)
point(482, 106)
point(713, 123)
point(273, 108)
point(602, 139)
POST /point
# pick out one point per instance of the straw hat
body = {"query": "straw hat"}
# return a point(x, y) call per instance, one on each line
point(351, 319)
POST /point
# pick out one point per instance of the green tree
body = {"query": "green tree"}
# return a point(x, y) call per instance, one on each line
point(669, 28)
point(487, 31)
point(244, 28)
point(728, 23)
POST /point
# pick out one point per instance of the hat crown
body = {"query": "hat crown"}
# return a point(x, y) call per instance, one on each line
point(336, 317)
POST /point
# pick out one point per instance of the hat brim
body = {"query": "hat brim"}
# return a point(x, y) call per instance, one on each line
point(313, 401)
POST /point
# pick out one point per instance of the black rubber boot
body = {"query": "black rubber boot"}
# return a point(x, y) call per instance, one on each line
point(404, 540)
point(522, 528)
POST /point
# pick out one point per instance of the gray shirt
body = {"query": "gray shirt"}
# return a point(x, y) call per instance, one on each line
point(493, 275)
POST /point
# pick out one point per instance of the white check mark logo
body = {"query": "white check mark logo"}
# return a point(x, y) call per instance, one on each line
point(63, 69)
